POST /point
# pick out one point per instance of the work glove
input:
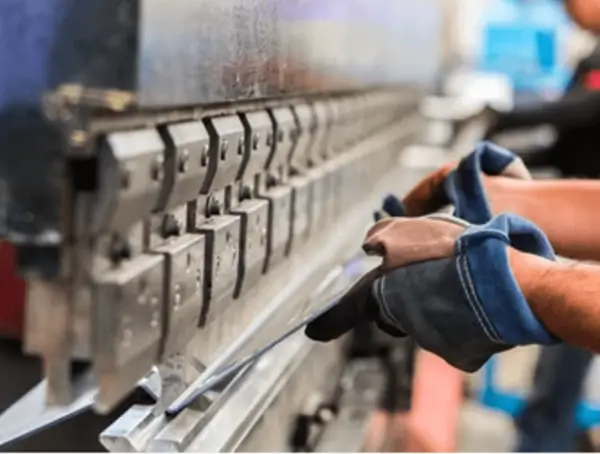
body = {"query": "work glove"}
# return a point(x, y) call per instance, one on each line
point(461, 185)
point(447, 284)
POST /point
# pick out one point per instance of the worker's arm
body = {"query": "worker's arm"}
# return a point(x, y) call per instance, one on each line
point(563, 295)
point(566, 210)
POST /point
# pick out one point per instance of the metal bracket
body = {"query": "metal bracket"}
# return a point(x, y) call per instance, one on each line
point(221, 263)
point(335, 132)
point(128, 326)
point(320, 150)
point(258, 129)
point(286, 136)
point(226, 155)
point(254, 216)
point(280, 223)
point(184, 275)
point(300, 210)
point(306, 124)
point(131, 169)
point(186, 163)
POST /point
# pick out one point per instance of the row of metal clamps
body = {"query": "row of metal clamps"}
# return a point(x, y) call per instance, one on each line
point(189, 216)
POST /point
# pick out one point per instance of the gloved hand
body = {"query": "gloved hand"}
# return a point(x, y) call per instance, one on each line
point(462, 185)
point(447, 284)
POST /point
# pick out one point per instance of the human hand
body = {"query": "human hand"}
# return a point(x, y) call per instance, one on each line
point(461, 184)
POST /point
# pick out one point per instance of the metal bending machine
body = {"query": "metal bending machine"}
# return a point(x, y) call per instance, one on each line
point(182, 182)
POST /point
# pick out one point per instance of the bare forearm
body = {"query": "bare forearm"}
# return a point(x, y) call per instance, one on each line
point(565, 296)
point(566, 210)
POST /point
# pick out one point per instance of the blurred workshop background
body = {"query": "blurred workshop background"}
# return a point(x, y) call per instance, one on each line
point(511, 53)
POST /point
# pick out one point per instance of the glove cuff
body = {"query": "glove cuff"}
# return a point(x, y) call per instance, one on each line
point(489, 284)
point(464, 185)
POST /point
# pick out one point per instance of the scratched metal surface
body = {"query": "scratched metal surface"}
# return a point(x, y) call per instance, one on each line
point(196, 51)
point(175, 53)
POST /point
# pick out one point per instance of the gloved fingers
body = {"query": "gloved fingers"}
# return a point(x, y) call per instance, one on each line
point(356, 306)
point(379, 215)
point(517, 169)
point(429, 194)
point(401, 241)
point(393, 206)
point(495, 160)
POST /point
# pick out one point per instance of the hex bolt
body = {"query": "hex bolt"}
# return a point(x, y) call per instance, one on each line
point(271, 181)
point(224, 147)
point(157, 169)
point(280, 135)
point(241, 145)
point(255, 141)
point(204, 156)
point(184, 158)
point(213, 207)
point(171, 226)
point(119, 249)
point(245, 193)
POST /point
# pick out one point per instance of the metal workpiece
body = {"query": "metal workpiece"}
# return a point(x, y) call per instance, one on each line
point(186, 162)
point(276, 387)
point(259, 130)
point(133, 431)
point(222, 236)
point(227, 150)
point(279, 224)
point(284, 139)
point(130, 177)
point(127, 326)
point(306, 124)
point(254, 231)
point(184, 263)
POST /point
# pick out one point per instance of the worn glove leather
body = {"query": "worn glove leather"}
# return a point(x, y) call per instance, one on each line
point(462, 185)
point(447, 284)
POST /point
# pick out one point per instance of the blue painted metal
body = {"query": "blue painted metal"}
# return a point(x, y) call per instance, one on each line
point(491, 396)
point(525, 40)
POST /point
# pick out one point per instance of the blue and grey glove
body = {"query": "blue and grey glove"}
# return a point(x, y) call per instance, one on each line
point(447, 284)
point(463, 188)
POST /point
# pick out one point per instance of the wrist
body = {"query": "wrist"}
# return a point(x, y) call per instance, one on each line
point(529, 271)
